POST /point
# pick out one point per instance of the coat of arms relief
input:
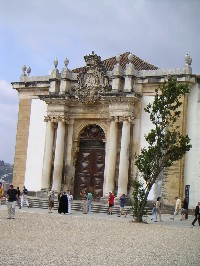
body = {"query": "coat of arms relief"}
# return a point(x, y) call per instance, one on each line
point(93, 81)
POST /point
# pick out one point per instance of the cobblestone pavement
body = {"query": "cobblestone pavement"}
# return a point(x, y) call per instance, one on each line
point(36, 238)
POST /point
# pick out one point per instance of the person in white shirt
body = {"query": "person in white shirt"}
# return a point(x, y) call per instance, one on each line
point(24, 197)
point(70, 201)
point(177, 207)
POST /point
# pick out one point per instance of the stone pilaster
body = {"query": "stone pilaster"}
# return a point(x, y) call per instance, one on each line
point(69, 168)
point(21, 142)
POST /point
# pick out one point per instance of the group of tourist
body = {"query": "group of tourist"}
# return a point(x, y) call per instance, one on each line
point(14, 196)
point(87, 198)
point(181, 207)
point(65, 200)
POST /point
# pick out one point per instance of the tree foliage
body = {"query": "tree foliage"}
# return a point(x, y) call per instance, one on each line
point(166, 144)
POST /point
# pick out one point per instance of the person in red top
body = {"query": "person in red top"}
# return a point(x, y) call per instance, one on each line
point(110, 202)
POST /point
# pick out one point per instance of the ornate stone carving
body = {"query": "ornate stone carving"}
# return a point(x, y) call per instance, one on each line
point(114, 118)
point(92, 82)
point(130, 119)
point(56, 119)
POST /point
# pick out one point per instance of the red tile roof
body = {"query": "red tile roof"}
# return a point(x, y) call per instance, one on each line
point(109, 63)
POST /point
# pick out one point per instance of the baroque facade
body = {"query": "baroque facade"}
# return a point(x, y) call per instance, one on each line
point(80, 129)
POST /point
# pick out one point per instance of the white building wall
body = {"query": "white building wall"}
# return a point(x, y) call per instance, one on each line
point(145, 128)
point(192, 159)
point(36, 142)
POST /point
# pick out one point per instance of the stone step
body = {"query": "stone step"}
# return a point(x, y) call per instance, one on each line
point(97, 207)
point(77, 206)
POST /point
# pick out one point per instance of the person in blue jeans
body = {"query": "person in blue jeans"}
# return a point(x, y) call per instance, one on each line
point(153, 217)
point(122, 201)
point(89, 202)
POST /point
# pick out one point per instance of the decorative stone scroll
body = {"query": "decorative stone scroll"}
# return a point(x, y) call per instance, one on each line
point(114, 118)
point(92, 82)
point(130, 119)
point(122, 118)
point(56, 119)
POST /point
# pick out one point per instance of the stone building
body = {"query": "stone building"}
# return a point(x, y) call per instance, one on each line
point(80, 129)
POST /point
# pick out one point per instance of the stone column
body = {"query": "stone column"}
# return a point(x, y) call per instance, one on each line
point(59, 155)
point(124, 158)
point(48, 154)
point(70, 169)
point(112, 157)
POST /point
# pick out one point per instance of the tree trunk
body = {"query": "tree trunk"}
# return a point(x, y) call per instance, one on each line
point(140, 214)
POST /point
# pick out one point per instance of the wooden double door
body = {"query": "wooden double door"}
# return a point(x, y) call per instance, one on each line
point(89, 174)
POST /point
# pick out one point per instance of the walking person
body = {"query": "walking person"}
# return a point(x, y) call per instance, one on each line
point(177, 207)
point(197, 214)
point(12, 200)
point(70, 201)
point(19, 197)
point(24, 197)
point(89, 202)
point(111, 199)
point(1, 192)
point(158, 209)
point(51, 200)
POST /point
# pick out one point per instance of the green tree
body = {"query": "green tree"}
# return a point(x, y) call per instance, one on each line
point(165, 142)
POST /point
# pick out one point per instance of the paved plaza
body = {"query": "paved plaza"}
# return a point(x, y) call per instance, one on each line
point(36, 238)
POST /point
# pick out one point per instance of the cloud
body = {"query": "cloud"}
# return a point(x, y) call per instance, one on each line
point(35, 32)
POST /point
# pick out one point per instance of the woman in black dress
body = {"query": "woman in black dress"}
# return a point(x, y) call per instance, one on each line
point(63, 204)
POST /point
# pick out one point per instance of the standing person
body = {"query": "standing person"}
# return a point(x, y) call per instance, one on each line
point(184, 210)
point(24, 197)
point(197, 214)
point(89, 202)
point(51, 200)
point(122, 201)
point(63, 204)
point(84, 201)
point(111, 199)
point(177, 207)
point(158, 209)
point(1, 192)
point(19, 197)
point(70, 201)
point(11, 204)
point(153, 217)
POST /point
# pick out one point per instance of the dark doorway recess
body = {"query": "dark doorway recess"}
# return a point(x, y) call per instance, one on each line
point(89, 174)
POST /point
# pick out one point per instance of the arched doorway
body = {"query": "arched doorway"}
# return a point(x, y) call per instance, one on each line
point(89, 173)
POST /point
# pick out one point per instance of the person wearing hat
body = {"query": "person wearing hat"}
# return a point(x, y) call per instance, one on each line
point(110, 202)
point(12, 200)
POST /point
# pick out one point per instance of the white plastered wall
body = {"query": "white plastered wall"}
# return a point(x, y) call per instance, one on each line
point(192, 159)
point(145, 128)
point(36, 142)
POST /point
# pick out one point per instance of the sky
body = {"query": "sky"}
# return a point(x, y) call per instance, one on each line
point(35, 32)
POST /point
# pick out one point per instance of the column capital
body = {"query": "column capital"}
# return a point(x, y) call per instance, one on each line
point(56, 119)
point(129, 119)
point(114, 118)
